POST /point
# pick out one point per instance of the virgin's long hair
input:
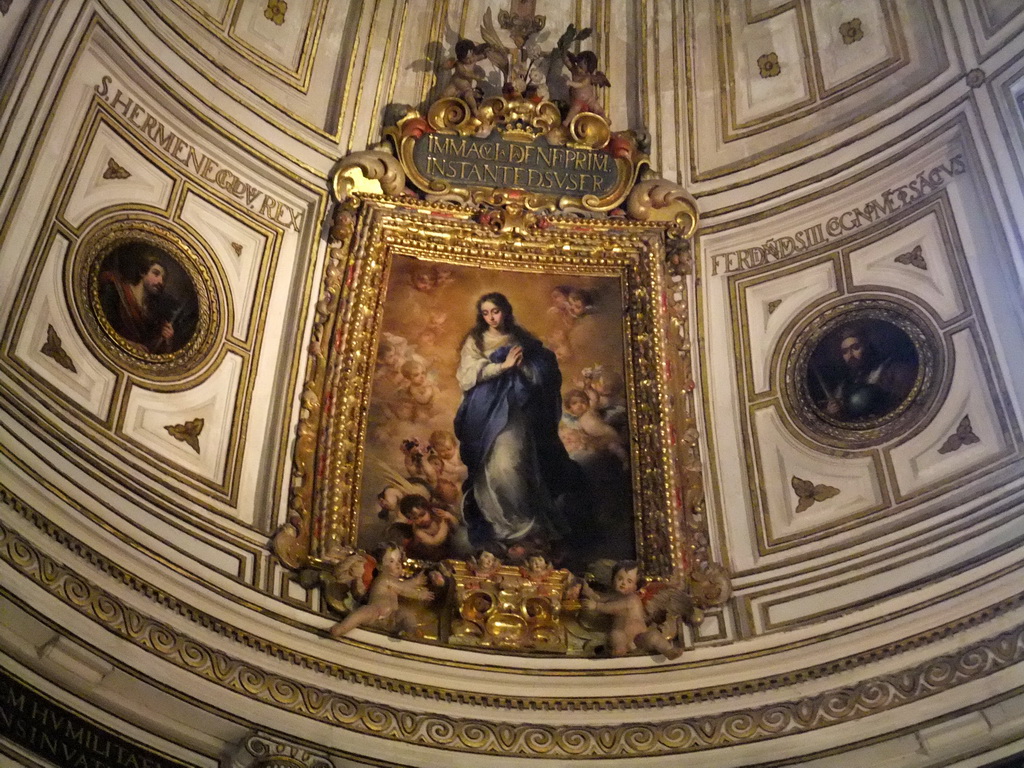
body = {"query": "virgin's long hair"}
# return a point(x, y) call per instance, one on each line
point(508, 323)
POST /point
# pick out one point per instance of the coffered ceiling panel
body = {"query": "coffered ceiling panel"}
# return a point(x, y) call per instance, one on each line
point(191, 430)
point(900, 269)
point(966, 436)
point(802, 493)
point(243, 249)
point(771, 306)
point(765, 81)
point(52, 351)
point(166, 425)
point(992, 23)
point(292, 59)
point(105, 181)
point(898, 262)
point(286, 43)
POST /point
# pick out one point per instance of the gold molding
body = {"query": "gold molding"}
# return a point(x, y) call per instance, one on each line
point(674, 736)
point(669, 698)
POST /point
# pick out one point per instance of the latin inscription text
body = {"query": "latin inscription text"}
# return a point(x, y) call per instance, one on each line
point(493, 162)
point(886, 204)
point(196, 161)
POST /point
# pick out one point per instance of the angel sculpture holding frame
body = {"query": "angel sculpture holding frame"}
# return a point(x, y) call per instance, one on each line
point(636, 613)
point(383, 609)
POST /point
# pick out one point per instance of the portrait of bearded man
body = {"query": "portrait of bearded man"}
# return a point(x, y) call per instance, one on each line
point(869, 378)
point(138, 304)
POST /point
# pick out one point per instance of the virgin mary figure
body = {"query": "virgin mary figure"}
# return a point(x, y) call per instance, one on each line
point(522, 487)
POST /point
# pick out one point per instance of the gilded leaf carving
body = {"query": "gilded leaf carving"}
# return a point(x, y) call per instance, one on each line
point(187, 433)
point(54, 348)
point(808, 493)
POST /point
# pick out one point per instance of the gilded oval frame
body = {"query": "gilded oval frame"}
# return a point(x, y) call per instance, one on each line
point(836, 429)
point(187, 261)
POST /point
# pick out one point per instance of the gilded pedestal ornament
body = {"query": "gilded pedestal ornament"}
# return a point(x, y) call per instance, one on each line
point(498, 399)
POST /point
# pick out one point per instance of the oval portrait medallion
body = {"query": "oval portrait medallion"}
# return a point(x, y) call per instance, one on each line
point(862, 373)
point(148, 297)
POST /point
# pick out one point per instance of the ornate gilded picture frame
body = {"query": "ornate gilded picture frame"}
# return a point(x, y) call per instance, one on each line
point(498, 408)
point(394, 378)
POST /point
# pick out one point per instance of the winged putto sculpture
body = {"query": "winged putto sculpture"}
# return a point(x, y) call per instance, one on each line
point(645, 617)
point(524, 70)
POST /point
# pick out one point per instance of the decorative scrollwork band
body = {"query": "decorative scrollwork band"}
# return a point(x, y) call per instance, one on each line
point(677, 735)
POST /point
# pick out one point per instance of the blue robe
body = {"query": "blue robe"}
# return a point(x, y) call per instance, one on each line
point(521, 483)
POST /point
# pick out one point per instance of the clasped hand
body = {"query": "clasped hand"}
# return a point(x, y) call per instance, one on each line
point(514, 359)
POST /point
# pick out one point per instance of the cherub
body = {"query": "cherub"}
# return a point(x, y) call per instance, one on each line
point(432, 528)
point(484, 570)
point(445, 492)
point(390, 356)
point(484, 564)
point(559, 303)
point(465, 72)
point(583, 429)
point(558, 342)
point(446, 448)
point(631, 619)
point(586, 79)
point(423, 279)
point(436, 321)
point(345, 587)
point(604, 388)
point(382, 607)
point(387, 501)
point(578, 303)
point(443, 277)
point(418, 391)
point(427, 348)
point(537, 568)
